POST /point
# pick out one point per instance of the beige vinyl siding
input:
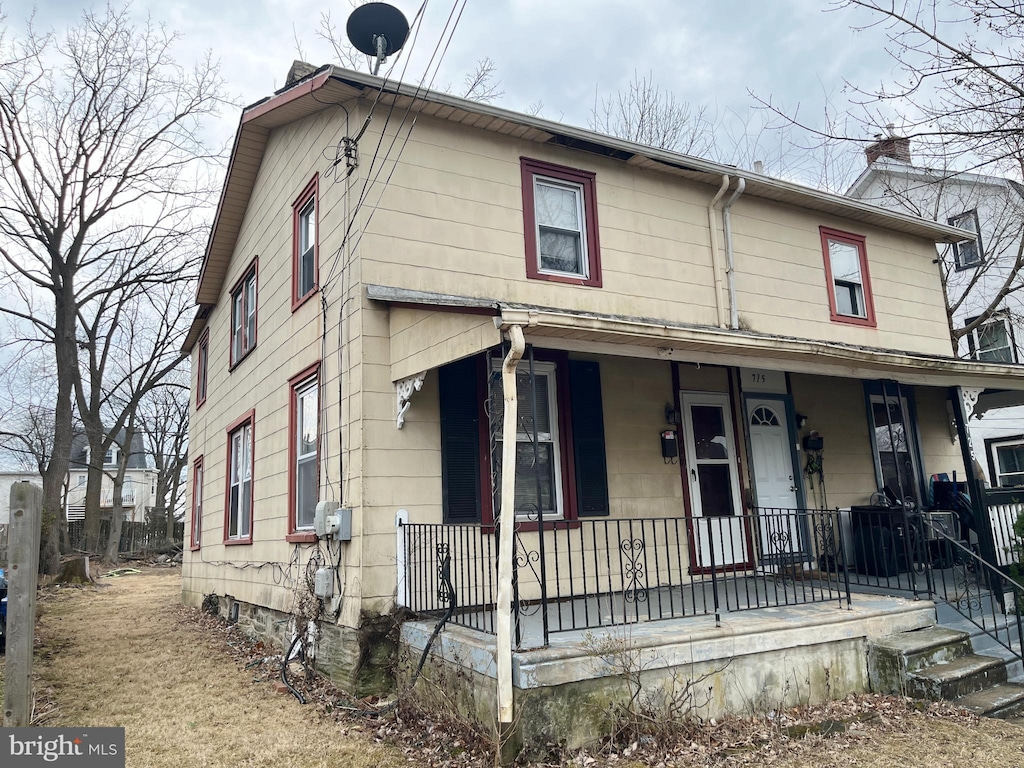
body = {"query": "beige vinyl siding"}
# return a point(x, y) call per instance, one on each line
point(266, 571)
point(451, 222)
point(424, 339)
point(939, 451)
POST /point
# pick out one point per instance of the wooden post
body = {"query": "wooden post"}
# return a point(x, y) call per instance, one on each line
point(23, 562)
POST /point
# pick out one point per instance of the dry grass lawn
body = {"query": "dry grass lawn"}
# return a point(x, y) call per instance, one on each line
point(114, 655)
point(118, 655)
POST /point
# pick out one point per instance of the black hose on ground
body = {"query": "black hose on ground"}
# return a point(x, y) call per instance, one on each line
point(284, 670)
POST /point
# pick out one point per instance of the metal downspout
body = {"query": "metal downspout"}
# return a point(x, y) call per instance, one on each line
point(506, 523)
point(716, 261)
point(734, 313)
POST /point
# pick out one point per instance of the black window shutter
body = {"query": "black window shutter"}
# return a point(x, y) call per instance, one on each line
point(588, 438)
point(460, 441)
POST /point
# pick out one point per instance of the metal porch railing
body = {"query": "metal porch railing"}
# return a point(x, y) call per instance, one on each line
point(585, 574)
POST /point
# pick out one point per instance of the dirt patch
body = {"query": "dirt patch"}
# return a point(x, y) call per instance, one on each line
point(191, 689)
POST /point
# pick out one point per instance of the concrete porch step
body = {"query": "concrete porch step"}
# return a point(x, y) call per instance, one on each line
point(956, 678)
point(924, 647)
point(1001, 700)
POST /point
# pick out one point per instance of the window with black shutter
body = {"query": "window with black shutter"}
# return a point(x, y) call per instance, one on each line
point(588, 438)
point(460, 441)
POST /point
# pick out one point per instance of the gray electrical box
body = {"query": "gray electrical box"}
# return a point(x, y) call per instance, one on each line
point(323, 583)
point(344, 532)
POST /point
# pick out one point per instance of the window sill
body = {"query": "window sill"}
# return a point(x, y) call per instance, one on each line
point(300, 300)
point(194, 548)
point(571, 280)
point(301, 537)
point(524, 526)
point(867, 322)
point(241, 360)
point(237, 542)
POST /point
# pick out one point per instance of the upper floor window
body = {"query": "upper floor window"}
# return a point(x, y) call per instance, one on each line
point(240, 475)
point(202, 364)
point(110, 457)
point(846, 271)
point(992, 341)
point(967, 253)
point(243, 316)
point(304, 448)
point(560, 224)
point(304, 247)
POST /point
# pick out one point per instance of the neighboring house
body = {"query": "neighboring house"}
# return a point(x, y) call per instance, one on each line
point(7, 479)
point(137, 493)
point(975, 273)
point(691, 327)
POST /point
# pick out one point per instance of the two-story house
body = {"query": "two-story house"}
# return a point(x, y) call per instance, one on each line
point(975, 273)
point(138, 490)
point(713, 359)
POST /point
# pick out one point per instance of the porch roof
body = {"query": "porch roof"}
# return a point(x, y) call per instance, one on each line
point(652, 338)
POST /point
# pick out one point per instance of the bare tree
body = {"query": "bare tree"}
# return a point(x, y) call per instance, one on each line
point(102, 149)
point(644, 113)
point(163, 418)
point(961, 84)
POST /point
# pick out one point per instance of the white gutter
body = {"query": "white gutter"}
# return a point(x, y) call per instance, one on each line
point(716, 262)
point(506, 522)
point(734, 313)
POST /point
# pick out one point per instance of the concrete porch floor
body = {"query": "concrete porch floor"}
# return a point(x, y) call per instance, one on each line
point(757, 660)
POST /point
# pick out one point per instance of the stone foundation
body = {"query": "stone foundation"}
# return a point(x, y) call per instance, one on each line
point(360, 661)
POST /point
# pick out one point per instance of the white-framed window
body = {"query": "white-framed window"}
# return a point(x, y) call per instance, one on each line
point(305, 421)
point(539, 468)
point(846, 270)
point(306, 234)
point(81, 480)
point(197, 502)
point(110, 458)
point(1007, 462)
point(240, 461)
point(992, 341)
point(243, 316)
point(968, 253)
point(561, 227)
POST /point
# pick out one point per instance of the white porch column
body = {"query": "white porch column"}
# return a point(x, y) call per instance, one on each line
point(506, 523)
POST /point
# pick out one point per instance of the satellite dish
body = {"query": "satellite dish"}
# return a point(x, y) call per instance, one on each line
point(378, 30)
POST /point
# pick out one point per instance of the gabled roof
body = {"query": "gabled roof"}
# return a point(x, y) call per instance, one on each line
point(921, 173)
point(328, 86)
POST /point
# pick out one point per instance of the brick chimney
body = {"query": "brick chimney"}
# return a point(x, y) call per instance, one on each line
point(298, 70)
point(892, 146)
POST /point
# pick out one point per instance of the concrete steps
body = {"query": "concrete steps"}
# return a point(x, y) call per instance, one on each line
point(940, 663)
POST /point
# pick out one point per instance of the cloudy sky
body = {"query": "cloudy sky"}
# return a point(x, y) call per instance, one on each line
point(560, 52)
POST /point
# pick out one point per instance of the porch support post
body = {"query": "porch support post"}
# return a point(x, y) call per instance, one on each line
point(506, 524)
point(964, 399)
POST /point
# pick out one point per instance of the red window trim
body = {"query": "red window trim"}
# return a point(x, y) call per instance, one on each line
point(567, 458)
point(252, 270)
point(296, 535)
point(531, 168)
point(312, 191)
point(203, 366)
point(860, 242)
point(195, 540)
point(248, 417)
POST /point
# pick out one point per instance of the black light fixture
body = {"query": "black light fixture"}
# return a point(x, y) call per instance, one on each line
point(671, 415)
point(801, 421)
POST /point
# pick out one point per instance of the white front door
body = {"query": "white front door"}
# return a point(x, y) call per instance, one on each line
point(775, 480)
point(719, 536)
